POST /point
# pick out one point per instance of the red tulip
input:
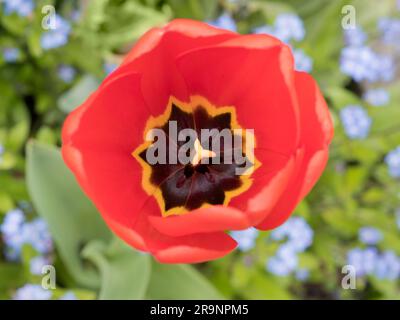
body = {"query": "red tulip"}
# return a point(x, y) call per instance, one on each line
point(190, 70)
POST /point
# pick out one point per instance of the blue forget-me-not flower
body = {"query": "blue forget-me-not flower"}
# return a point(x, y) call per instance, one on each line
point(356, 122)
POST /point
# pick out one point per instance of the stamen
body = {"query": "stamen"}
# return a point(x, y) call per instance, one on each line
point(210, 178)
point(180, 182)
point(201, 153)
point(188, 171)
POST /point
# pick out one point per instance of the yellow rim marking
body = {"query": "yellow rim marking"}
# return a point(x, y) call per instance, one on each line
point(159, 121)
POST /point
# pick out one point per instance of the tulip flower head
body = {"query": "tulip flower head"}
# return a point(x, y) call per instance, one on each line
point(198, 132)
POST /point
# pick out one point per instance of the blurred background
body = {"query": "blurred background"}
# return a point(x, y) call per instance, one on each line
point(351, 217)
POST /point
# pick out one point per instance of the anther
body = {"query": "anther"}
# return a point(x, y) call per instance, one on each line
point(180, 182)
point(209, 177)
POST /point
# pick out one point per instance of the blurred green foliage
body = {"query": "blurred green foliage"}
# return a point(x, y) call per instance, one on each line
point(355, 190)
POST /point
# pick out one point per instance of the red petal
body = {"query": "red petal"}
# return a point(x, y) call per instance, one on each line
point(317, 132)
point(211, 219)
point(98, 141)
point(191, 248)
point(195, 248)
point(125, 232)
point(261, 205)
point(256, 81)
point(200, 31)
point(154, 57)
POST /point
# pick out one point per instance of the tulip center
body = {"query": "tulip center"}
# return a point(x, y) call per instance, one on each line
point(195, 155)
point(200, 153)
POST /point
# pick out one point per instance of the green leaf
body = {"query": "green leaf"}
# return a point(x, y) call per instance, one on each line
point(386, 121)
point(193, 9)
point(368, 18)
point(179, 282)
point(95, 13)
point(355, 178)
point(73, 220)
point(271, 9)
point(78, 94)
point(266, 288)
point(11, 276)
point(125, 273)
point(6, 202)
point(340, 222)
point(46, 135)
point(374, 195)
point(341, 97)
point(129, 22)
point(18, 126)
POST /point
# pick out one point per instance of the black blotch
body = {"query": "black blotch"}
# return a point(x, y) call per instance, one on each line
point(192, 186)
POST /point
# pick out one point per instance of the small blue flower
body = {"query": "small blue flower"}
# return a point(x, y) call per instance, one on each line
point(359, 62)
point(12, 222)
point(57, 37)
point(392, 160)
point(388, 266)
point(37, 263)
point(355, 37)
point(355, 259)
point(76, 15)
point(66, 73)
point(11, 54)
point(303, 62)
point(37, 234)
point(69, 296)
point(370, 259)
point(284, 262)
point(287, 26)
point(356, 122)
point(297, 231)
point(1, 153)
point(22, 8)
point(364, 261)
point(246, 239)
point(16, 232)
point(288, 254)
point(290, 26)
point(32, 292)
point(302, 274)
point(277, 267)
point(225, 21)
point(390, 30)
point(362, 63)
point(387, 68)
point(369, 235)
point(377, 97)
point(11, 233)
point(280, 233)
point(299, 236)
